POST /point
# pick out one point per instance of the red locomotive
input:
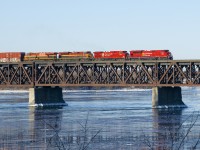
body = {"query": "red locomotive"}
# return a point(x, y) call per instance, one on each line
point(110, 55)
point(150, 54)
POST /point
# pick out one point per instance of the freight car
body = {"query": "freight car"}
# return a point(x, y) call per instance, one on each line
point(11, 56)
point(151, 54)
point(111, 55)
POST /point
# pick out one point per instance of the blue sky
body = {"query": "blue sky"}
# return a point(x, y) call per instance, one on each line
point(76, 25)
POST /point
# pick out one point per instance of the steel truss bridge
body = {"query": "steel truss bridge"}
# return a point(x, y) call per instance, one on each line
point(101, 73)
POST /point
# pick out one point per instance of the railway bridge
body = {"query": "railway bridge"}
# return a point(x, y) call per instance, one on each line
point(45, 79)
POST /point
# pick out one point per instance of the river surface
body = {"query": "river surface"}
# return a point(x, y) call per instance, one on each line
point(121, 119)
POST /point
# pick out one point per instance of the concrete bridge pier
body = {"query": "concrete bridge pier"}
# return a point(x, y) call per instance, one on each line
point(167, 97)
point(46, 96)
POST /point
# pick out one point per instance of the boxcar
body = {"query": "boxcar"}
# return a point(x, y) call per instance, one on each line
point(11, 56)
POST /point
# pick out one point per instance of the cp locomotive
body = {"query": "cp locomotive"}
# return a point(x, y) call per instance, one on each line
point(150, 54)
point(86, 55)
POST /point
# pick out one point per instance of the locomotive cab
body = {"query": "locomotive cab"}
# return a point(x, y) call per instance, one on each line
point(170, 56)
point(89, 54)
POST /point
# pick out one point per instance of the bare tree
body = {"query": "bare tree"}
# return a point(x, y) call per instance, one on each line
point(57, 142)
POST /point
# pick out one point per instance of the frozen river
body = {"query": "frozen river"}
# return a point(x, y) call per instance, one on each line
point(99, 119)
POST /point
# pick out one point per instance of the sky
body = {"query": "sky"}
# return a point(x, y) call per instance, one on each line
point(101, 25)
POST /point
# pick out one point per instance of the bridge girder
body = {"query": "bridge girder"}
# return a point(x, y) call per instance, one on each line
point(101, 73)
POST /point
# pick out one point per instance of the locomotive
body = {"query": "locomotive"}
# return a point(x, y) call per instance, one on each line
point(111, 55)
point(87, 55)
point(150, 54)
point(58, 56)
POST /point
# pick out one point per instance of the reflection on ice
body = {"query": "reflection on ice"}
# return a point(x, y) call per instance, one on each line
point(108, 90)
point(44, 124)
point(13, 91)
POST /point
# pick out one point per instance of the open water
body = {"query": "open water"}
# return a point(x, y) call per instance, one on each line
point(120, 119)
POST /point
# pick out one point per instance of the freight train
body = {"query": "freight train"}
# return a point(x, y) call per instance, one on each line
point(87, 55)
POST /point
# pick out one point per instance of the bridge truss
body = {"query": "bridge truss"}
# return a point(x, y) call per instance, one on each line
point(101, 73)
